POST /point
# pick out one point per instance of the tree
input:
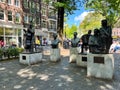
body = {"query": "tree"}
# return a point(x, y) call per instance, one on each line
point(68, 31)
point(108, 8)
point(91, 21)
point(65, 7)
point(117, 25)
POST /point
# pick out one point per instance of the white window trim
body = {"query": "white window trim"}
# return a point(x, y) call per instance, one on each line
point(10, 2)
point(12, 17)
point(17, 5)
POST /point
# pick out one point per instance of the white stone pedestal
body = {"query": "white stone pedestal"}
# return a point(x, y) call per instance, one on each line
point(73, 54)
point(55, 55)
point(81, 60)
point(30, 58)
point(100, 66)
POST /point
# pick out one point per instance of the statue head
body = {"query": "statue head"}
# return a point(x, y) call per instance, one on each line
point(96, 32)
point(75, 34)
point(104, 23)
point(54, 35)
point(89, 32)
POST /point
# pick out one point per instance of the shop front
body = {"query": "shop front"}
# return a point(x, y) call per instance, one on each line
point(11, 35)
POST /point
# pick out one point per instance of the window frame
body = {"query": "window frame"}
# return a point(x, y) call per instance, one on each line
point(2, 13)
point(17, 3)
point(10, 15)
point(9, 2)
point(26, 18)
point(17, 17)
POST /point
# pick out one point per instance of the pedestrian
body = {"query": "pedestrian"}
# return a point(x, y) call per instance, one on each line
point(117, 47)
point(111, 50)
point(2, 43)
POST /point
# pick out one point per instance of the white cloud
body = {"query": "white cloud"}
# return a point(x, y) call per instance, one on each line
point(81, 16)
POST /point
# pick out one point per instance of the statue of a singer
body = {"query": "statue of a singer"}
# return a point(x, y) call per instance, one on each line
point(55, 42)
point(95, 42)
point(106, 35)
point(73, 49)
point(29, 39)
point(75, 41)
point(55, 51)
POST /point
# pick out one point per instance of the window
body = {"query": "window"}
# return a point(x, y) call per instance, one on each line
point(43, 11)
point(37, 20)
point(9, 16)
point(25, 3)
point(9, 2)
point(26, 19)
point(2, 0)
point(30, 18)
point(1, 14)
point(17, 18)
point(17, 3)
point(52, 14)
point(52, 25)
point(32, 7)
point(44, 24)
point(38, 7)
point(1, 31)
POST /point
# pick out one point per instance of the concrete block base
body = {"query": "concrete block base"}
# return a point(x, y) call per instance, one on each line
point(73, 55)
point(100, 66)
point(30, 58)
point(55, 55)
point(81, 60)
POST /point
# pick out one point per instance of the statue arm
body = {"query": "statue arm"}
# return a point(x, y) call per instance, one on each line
point(24, 30)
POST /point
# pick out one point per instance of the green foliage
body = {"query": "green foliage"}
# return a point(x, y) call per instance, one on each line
point(1, 53)
point(68, 5)
point(64, 7)
point(10, 52)
point(91, 21)
point(108, 8)
point(70, 30)
point(117, 25)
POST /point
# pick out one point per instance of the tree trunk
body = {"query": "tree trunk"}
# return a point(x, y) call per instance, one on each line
point(60, 22)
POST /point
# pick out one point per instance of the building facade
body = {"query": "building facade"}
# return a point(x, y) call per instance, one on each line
point(116, 32)
point(11, 22)
point(15, 15)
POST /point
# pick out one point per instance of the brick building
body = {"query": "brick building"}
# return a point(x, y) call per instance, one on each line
point(116, 32)
point(15, 16)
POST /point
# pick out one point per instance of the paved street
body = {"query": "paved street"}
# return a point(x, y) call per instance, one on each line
point(53, 76)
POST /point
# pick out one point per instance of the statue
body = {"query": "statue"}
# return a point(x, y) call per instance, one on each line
point(55, 42)
point(95, 43)
point(73, 50)
point(75, 41)
point(106, 35)
point(29, 39)
point(55, 51)
point(85, 40)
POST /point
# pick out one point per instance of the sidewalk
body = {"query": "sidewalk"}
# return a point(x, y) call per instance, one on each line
point(53, 76)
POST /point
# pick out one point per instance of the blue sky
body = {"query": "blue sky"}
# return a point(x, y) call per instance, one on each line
point(77, 17)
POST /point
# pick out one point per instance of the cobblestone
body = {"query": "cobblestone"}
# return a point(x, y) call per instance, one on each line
point(53, 76)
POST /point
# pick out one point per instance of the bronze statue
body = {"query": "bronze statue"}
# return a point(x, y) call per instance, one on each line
point(95, 43)
point(29, 39)
point(55, 42)
point(75, 41)
point(85, 40)
point(106, 35)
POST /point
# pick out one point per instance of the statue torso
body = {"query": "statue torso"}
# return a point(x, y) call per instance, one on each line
point(74, 42)
point(55, 43)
